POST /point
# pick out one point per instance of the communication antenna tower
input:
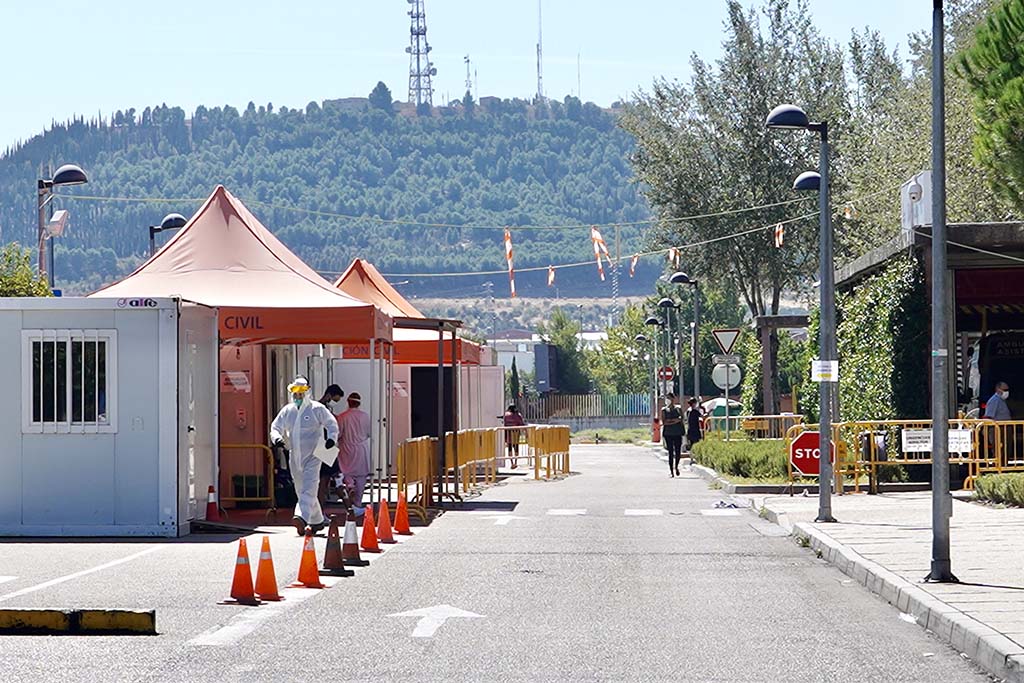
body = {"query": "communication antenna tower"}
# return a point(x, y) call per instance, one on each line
point(469, 81)
point(421, 69)
point(540, 55)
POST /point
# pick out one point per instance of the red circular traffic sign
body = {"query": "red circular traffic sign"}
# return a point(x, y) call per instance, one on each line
point(666, 373)
point(805, 455)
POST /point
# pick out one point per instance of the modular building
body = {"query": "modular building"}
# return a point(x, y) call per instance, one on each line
point(113, 427)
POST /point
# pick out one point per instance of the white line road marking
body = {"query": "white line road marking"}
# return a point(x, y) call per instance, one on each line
point(503, 520)
point(69, 577)
point(5, 579)
point(720, 512)
point(250, 619)
point(642, 513)
point(433, 618)
point(567, 512)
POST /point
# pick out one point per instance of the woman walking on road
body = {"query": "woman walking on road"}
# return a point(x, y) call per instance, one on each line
point(693, 433)
point(672, 430)
point(515, 421)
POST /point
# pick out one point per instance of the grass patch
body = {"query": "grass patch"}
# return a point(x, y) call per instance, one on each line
point(1006, 489)
point(742, 459)
point(632, 435)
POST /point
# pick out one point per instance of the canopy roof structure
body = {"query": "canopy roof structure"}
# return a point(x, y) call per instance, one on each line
point(415, 335)
point(225, 258)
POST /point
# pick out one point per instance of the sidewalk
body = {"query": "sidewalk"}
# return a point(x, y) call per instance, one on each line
point(884, 543)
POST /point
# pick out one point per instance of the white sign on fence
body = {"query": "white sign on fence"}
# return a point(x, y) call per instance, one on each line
point(920, 440)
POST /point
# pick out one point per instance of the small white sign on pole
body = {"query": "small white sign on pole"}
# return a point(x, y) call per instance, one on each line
point(824, 371)
point(920, 440)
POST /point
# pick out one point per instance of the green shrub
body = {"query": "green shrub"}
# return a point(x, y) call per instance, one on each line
point(763, 460)
point(1001, 488)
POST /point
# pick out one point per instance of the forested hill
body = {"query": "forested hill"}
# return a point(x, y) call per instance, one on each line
point(480, 166)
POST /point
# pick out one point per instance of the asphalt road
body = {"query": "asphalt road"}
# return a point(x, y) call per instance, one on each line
point(617, 573)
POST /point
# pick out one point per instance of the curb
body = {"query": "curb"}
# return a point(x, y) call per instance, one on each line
point(77, 622)
point(990, 649)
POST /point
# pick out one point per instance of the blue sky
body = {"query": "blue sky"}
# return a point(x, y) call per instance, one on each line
point(88, 58)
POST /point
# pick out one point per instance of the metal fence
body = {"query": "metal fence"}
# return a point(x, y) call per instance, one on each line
point(586, 405)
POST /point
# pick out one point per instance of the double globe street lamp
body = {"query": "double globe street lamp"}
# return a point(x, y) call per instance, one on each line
point(680, 278)
point(792, 117)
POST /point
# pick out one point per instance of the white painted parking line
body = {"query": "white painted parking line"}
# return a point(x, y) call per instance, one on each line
point(720, 512)
point(5, 579)
point(250, 619)
point(69, 577)
point(567, 512)
point(642, 513)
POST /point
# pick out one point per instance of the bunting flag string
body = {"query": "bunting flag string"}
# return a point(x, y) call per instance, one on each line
point(600, 249)
point(632, 264)
point(551, 276)
point(780, 234)
point(508, 258)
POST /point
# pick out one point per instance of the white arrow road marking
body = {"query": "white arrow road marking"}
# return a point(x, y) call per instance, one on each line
point(642, 513)
point(433, 618)
point(503, 520)
point(720, 512)
point(567, 512)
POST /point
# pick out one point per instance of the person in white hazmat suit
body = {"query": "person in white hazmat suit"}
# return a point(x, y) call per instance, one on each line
point(354, 427)
point(301, 426)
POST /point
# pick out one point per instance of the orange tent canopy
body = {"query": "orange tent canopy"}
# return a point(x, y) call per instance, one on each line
point(225, 258)
point(413, 345)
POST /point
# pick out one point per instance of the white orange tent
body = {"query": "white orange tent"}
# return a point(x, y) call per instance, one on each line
point(225, 258)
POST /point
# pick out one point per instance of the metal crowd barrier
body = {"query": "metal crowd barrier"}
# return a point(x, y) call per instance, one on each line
point(756, 426)
point(865, 446)
point(264, 494)
point(472, 458)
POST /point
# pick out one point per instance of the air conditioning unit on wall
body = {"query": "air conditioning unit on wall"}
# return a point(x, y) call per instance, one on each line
point(916, 202)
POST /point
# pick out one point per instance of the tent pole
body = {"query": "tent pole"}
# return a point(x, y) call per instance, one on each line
point(456, 381)
point(440, 413)
point(373, 460)
point(388, 429)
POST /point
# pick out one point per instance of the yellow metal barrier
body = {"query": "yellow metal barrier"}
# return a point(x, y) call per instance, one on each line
point(268, 497)
point(413, 468)
point(866, 446)
point(549, 445)
point(757, 426)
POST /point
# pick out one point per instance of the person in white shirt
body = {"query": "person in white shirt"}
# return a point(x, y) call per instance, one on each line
point(354, 449)
point(300, 426)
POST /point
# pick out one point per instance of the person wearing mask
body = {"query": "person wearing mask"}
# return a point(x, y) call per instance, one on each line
point(693, 431)
point(996, 408)
point(515, 421)
point(332, 401)
point(672, 431)
point(300, 426)
point(354, 427)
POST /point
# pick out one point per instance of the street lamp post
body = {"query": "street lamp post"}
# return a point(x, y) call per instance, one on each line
point(684, 279)
point(788, 116)
point(642, 340)
point(942, 503)
point(654, 321)
point(172, 221)
point(673, 337)
point(68, 174)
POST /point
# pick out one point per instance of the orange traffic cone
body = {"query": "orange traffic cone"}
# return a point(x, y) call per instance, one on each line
point(241, 584)
point(402, 516)
point(384, 534)
point(369, 542)
point(350, 545)
point(334, 565)
point(309, 577)
point(266, 579)
point(212, 511)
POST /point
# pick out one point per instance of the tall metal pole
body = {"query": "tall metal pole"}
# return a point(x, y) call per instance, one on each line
point(678, 342)
point(696, 341)
point(942, 504)
point(827, 334)
point(41, 194)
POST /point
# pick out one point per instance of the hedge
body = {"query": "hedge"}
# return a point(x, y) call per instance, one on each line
point(763, 460)
point(1001, 488)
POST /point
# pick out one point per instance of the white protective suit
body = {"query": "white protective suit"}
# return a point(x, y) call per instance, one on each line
point(302, 428)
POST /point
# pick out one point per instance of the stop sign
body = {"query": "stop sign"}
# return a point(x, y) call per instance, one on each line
point(805, 455)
